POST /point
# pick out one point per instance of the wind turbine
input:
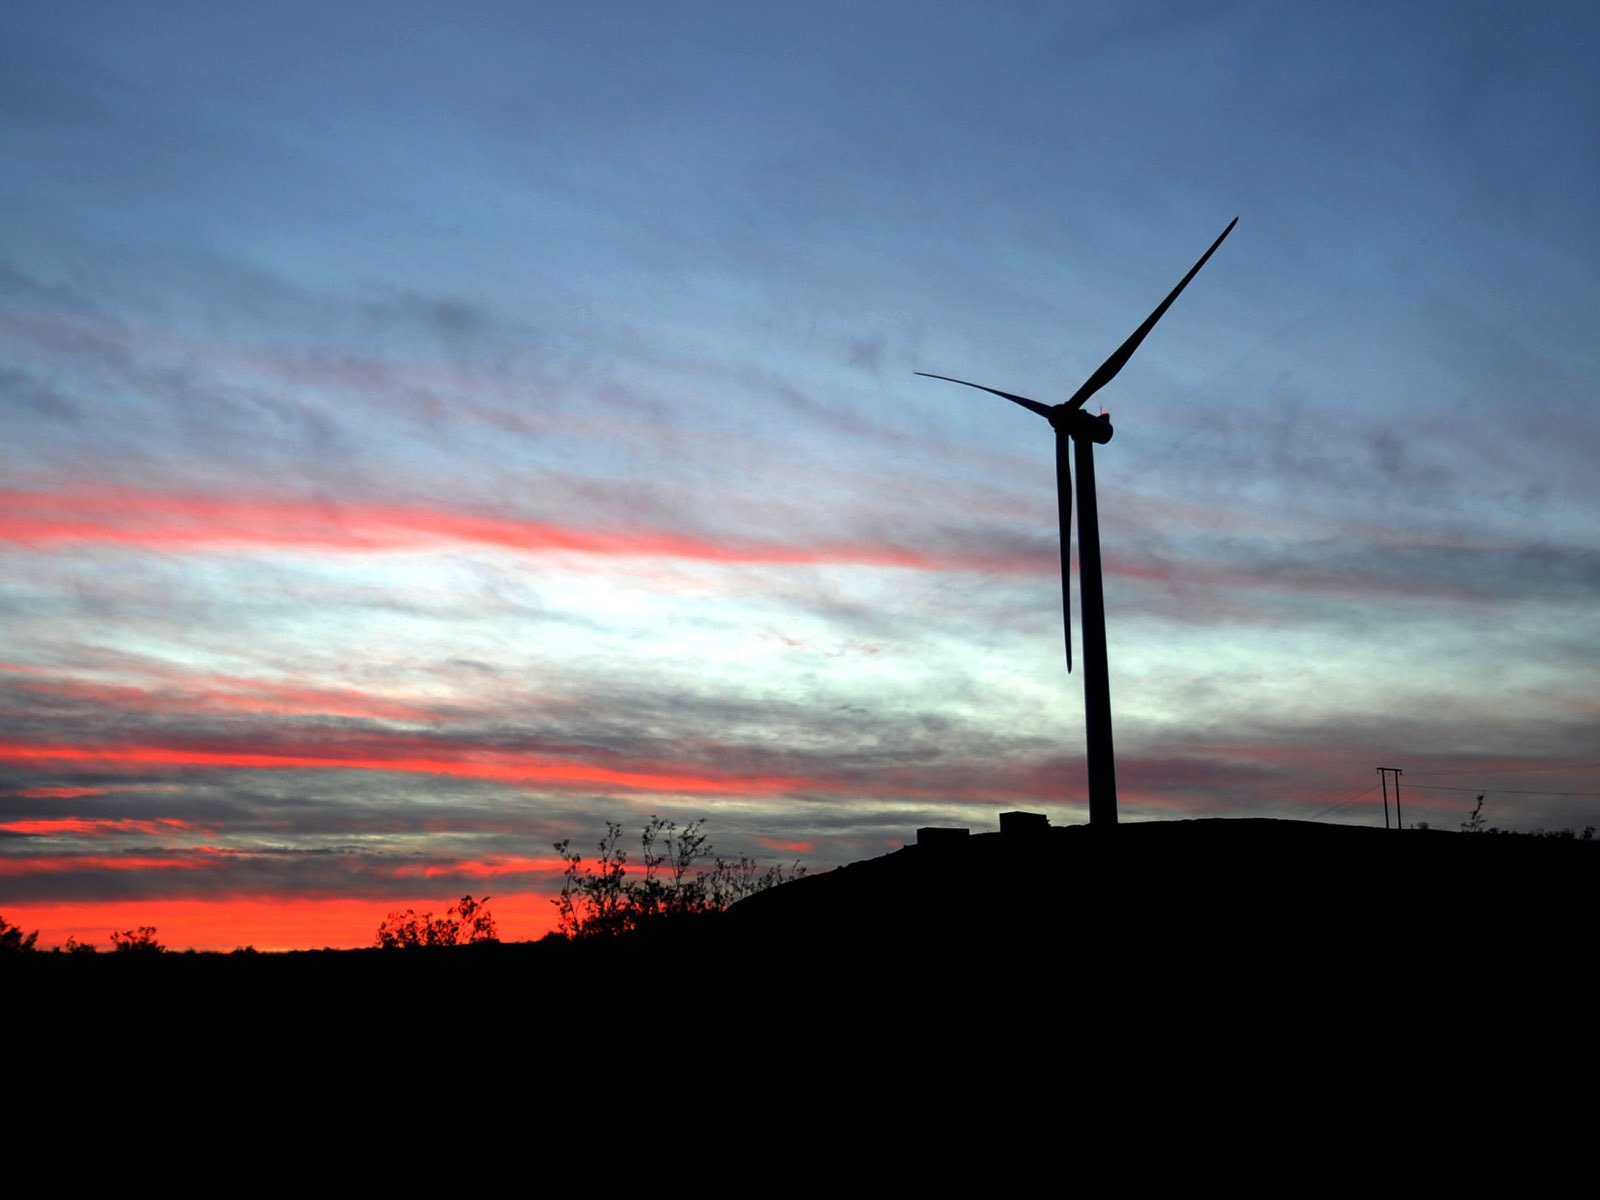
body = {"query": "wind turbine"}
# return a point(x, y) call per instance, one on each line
point(1072, 424)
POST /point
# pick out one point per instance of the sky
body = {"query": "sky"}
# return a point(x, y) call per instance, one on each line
point(428, 433)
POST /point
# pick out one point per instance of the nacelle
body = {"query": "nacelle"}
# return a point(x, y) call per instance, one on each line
point(1096, 427)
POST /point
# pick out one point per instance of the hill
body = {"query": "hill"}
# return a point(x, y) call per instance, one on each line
point(1257, 931)
point(1246, 905)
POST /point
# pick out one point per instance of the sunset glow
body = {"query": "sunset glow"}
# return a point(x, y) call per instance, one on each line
point(230, 923)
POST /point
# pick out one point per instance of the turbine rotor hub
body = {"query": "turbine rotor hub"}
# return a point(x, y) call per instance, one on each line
point(1096, 427)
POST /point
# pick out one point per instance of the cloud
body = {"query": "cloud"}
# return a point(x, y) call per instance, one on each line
point(57, 825)
point(187, 522)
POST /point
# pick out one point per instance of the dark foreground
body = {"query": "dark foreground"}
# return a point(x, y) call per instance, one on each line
point(1154, 961)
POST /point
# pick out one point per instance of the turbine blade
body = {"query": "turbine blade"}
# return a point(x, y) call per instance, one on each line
point(1031, 405)
point(1108, 369)
point(1064, 510)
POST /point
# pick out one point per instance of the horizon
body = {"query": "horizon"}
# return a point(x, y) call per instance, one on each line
point(430, 436)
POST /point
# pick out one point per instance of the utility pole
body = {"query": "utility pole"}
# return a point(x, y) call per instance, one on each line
point(1383, 774)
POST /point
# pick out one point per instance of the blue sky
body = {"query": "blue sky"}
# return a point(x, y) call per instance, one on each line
point(427, 435)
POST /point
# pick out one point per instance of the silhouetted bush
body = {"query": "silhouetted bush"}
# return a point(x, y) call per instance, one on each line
point(1561, 835)
point(14, 941)
point(137, 941)
point(466, 921)
point(1566, 835)
point(601, 900)
point(73, 946)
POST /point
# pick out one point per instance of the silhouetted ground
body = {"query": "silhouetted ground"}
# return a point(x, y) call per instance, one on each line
point(1247, 925)
point(1142, 963)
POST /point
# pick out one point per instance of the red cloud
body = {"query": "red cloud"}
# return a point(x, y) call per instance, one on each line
point(423, 755)
point(413, 756)
point(46, 826)
point(789, 847)
point(59, 864)
point(496, 867)
point(177, 522)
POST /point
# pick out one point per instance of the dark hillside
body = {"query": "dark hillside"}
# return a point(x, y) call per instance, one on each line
point(1260, 933)
point(1213, 918)
point(1178, 880)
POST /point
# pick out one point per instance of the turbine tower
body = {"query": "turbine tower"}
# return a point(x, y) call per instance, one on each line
point(1083, 431)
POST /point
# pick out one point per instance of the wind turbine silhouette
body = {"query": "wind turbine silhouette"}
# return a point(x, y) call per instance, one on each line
point(1072, 424)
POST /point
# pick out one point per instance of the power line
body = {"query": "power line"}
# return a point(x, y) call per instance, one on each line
point(1305, 803)
point(1494, 791)
point(1357, 793)
point(1509, 770)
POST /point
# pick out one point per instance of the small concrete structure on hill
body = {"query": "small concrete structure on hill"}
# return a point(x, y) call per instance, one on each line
point(1012, 824)
point(1024, 824)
